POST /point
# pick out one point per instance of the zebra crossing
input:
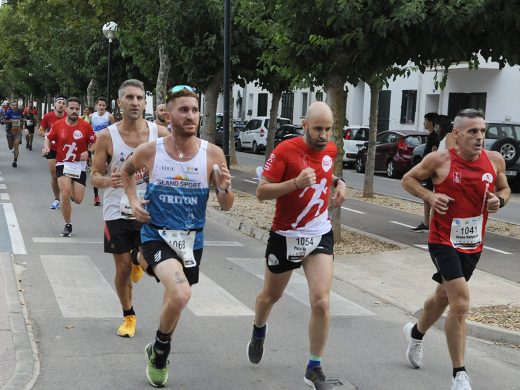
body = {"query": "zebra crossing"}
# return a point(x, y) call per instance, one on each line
point(82, 291)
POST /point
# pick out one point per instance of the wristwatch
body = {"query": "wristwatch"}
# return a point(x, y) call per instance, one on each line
point(502, 202)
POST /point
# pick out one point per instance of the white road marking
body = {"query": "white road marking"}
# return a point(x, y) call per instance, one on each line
point(209, 299)
point(297, 289)
point(3, 187)
point(425, 247)
point(497, 250)
point(352, 211)
point(250, 181)
point(80, 288)
point(402, 224)
point(17, 243)
point(4, 196)
point(77, 240)
point(1, 178)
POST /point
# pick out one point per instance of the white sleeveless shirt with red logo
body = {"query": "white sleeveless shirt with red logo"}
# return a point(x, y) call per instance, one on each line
point(464, 224)
point(302, 212)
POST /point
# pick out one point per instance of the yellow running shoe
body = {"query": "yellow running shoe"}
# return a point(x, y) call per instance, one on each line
point(127, 328)
point(137, 273)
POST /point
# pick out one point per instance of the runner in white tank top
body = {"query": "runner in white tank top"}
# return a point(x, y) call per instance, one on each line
point(122, 232)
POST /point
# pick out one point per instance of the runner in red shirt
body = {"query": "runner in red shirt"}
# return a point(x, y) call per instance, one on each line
point(298, 174)
point(45, 126)
point(469, 182)
point(72, 137)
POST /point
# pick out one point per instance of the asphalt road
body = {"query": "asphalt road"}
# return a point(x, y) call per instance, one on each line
point(68, 288)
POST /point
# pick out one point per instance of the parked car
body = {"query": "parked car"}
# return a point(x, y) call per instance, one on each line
point(238, 125)
point(503, 137)
point(354, 138)
point(254, 134)
point(287, 132)
point(393, 151)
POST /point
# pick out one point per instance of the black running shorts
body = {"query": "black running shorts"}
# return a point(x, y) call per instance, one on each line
point(155, 252)
point(122, 235)
point(276, 252)
point(51, 155)
point(81, 180)
point(452, 264)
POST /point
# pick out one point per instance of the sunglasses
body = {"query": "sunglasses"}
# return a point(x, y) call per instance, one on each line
point(179, 88)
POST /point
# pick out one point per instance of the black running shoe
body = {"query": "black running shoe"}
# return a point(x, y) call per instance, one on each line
point(315, 378)
point(421, 227)
point(255, 349)
point(15, 164)
point(67, 230)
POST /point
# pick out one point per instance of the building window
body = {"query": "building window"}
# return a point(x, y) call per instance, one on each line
point(408, 106)
point(319, 96)
point(288, 105)
point(305, 98)
point(459, 101)
point(262, 104)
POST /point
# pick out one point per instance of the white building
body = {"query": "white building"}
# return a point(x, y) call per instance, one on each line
point(403, 104)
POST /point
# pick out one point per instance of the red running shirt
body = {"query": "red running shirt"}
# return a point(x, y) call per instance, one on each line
point(47, 122)
point(71, 141)
point(467, 183)
point(304, 209)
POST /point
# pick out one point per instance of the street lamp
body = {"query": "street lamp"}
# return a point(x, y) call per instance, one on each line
point(109, 31)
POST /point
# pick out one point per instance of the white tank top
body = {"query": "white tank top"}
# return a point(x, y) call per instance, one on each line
point(121, 152)
point(442, 145)
point(100, 122)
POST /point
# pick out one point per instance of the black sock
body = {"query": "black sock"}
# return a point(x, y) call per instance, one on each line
point(455, 370)
point(96, 193)
point(416, 334)
point(161, 348)
point(129, 312)
point(259, 331)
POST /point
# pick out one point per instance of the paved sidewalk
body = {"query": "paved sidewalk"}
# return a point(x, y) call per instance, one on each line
point(19, 364)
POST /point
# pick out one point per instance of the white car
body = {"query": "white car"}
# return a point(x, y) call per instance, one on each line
point(354, 138)
point(254, 134)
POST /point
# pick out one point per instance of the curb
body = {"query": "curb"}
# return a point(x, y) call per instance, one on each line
point(474, 329)
point(27, 367)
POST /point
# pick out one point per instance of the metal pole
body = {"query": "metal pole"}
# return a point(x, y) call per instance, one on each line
point(227, 78)
point(109, 75)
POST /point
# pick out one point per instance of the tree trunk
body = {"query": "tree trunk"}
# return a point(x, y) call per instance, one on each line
point(210, 104)
point(334, 88)
point(273, 116)
point(91, 88)
point(162, 75)
point(368, 184)
point(232, 150)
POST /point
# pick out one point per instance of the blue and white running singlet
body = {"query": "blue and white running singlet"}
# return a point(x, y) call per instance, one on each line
point(178, 193)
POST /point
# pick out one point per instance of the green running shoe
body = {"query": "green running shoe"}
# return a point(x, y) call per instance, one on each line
point(156, 376)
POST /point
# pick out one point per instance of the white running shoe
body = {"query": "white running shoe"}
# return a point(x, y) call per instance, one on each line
point(461, 381)
point(414, 351)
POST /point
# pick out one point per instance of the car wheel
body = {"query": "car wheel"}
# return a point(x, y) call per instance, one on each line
point(255, 147)
point(239, 146)
point(508, 148)
point(360, 168)
point(390, 169)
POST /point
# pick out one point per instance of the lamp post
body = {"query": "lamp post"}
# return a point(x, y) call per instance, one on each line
point(227, 78)
point(109, 31)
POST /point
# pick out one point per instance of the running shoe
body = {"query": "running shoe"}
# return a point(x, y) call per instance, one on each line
point(420, 228)
point(461, 381)
point(137, 271)
point(97, 202)
point(414, 351)
point(156, 376)
point(55, 204)
point(15, 164)
point(67, 230)
point(255, 349)
point(315, 378)
point(127, 328)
